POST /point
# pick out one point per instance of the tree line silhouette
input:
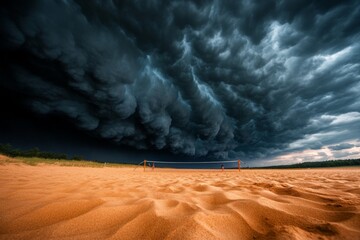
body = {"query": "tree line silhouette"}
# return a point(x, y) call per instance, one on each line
point(329, 163)
point(8, 150)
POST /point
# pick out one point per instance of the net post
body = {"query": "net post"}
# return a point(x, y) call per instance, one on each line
point(239, 165)
point(144, 165)
point(153, 166)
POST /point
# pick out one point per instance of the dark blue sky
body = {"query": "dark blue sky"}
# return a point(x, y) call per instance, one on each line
point(271, 82)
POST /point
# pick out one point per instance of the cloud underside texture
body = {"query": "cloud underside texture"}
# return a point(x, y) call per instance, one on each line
point(204, 78)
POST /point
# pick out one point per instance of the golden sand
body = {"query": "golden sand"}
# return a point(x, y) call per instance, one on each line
point(55, 202)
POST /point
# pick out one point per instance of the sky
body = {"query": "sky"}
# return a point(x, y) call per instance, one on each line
point(268, 82)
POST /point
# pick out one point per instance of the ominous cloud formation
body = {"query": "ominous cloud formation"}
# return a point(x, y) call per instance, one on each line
point(221, 79)
point(341, 146)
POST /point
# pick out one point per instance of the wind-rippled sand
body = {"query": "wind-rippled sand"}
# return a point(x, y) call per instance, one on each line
point(55, 202)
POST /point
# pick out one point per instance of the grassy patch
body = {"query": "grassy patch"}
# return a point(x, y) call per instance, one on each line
point(33, 161)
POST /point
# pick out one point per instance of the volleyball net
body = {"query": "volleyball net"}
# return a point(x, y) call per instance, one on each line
point(151, 165)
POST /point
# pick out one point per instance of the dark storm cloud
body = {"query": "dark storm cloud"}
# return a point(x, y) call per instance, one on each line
point(202, 78)
point(342, 146)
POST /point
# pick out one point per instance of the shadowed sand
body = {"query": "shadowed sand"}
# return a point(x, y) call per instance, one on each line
point(55, 202)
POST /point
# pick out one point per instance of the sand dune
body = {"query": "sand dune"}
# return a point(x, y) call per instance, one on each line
point(54, 202)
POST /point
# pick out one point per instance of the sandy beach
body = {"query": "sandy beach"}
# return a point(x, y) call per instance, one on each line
point(57, 202)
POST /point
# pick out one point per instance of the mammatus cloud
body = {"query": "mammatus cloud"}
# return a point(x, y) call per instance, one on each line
point(206, 78)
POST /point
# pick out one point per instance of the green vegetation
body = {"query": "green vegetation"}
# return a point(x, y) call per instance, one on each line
point(330, 163)
point(8, 150)
point(34, 157)
point(33, 161)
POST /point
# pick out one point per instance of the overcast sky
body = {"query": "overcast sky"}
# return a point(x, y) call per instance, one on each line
point(275, 82)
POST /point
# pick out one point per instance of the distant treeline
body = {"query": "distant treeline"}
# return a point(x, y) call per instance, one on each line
point(330, 163)
point(8, 150)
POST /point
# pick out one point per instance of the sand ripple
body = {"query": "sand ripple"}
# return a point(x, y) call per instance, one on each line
point(53, 202)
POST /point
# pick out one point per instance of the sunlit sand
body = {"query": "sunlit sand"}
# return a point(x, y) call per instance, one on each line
point(57, 202)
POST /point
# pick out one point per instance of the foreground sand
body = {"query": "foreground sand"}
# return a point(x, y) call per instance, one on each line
point(54, 202)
